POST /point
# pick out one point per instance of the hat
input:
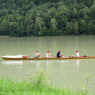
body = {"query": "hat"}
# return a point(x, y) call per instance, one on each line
point(76, 51)
point(59, 50)
point(37, 51)
point(48, 51)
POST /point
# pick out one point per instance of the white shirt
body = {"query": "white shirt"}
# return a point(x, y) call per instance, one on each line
point(77, 54)
point(47, 54)
point(37, 54)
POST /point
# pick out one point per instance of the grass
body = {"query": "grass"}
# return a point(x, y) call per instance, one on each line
point(39, 84)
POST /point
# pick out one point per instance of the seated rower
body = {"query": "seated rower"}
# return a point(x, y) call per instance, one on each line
point(48, 55)
point(59, 54)
point(38, 55)
point(76, 54)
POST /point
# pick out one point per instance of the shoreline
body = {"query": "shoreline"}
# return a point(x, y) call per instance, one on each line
point(4, 36)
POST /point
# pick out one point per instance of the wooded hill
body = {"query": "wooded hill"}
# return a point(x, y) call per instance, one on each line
point(47, 17)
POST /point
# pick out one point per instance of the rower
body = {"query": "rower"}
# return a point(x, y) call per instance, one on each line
point(76, 54)
point(38, 55)
point(59, 54)
point(48, 55)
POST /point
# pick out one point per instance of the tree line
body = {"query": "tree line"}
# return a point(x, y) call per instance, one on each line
point(47, 17)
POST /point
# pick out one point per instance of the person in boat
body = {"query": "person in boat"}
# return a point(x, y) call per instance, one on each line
point(59, 54)
point(38, 55)
point(48, 55)
point(76, 54)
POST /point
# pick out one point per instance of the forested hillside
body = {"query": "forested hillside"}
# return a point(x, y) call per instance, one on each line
point(47, 17)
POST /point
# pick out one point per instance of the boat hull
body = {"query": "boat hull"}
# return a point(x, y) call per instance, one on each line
point(44, 58)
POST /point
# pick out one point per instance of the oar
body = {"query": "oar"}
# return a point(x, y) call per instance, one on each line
point(48, 58)
point(59, 59)
point(33, 59)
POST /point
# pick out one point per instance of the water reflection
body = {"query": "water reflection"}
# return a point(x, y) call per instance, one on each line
point(77, 64)
point(46, 64)
point(68, 66)
point(12, 62)
point(62, 68)
point(54, 64)
point(38, 63)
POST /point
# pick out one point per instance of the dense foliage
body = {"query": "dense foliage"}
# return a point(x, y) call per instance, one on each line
point(47, 17)
point(40, 84)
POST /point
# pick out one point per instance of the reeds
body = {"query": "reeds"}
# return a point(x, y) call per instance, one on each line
point(39, 84)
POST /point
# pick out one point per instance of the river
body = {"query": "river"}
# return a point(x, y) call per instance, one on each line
point(67, 73)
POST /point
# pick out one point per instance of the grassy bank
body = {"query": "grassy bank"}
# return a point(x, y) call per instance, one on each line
point(38, 84)
point(8, 87)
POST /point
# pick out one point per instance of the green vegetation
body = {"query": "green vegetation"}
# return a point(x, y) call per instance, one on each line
point(47, 17)
point(39, 84)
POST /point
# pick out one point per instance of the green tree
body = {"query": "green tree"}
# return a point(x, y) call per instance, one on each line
point(14, 6)
point(40, 14)
point(4, 27)
point(92, 9)
point(38, 22)
point(69, 28)
point(28, 30)
point(61, 20)
point(74, 13)
point(76, 28)
point(89, 3)
point(53, 25)
point(90, 28)
point(3, 5)
point(87, 11)
point(37, 30)
point(12, 28)
point(43, 31)
point(52, 12)
point(28, 21)
point(93, 33)
point(47, 20)
point(22, 30)
point(83, 27)
point(66, 10)
point(32, 28)
point(31, 5)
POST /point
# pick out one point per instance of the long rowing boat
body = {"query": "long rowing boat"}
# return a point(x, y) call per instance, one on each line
point(43, 58)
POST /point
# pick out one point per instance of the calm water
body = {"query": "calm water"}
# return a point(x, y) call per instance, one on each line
point(66, 73)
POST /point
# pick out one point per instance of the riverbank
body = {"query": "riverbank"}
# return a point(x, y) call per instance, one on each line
point(38, 84)
point(8, 87)
point(4, 36)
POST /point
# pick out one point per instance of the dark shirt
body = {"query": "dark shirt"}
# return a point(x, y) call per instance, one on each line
point(58, 54)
